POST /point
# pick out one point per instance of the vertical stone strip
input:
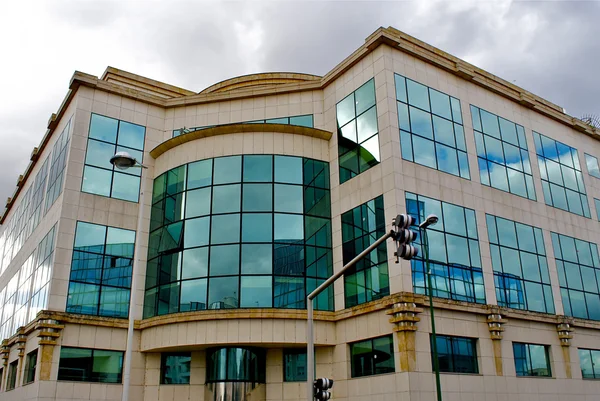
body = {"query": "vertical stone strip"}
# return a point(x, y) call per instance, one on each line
point(21, 343)
point(564, 328)
point(404, 317)
point(49, 332)
point(495, 322)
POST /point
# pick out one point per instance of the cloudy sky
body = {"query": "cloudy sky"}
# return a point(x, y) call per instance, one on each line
point(550, 48)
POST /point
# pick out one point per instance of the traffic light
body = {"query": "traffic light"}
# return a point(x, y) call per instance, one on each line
point(321, 387)
point(403, 236)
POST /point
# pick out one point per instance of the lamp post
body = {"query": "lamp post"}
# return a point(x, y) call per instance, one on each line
point(430, 221)
point(124, 161)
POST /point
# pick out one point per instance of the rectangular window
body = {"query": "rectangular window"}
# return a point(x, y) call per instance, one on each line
point(175, 368)
point(520, 268)
point(562, 180)
point(455, 258)
point(592, 165)
point(368, 279)
point(108, 136)
point(431, 128)
point(358, 139)
point(294, 365)
point(578, 269)
point(57, 167)
point(532, 360)
point(456, 354)
point(90, 365)
point(30, 365)
point(303, 121)
point(372, 357)
point(597, 204)
point(101, 271)
point(11, 381)
point(502, 154)
point(589, 361)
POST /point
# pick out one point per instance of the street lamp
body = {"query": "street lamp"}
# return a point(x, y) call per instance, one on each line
point(124, 161)
point(431, 220)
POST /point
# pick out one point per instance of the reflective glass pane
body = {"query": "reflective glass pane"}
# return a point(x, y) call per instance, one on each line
point(420, 123)
point(288, 198)
point(198, 202)
point(424, 151)
point(103, 128)
point(199, 174)
point(195, 263)
point(345, 110)
point(257, 259)
point(489, 123)
point(288, 169)
point(131, 135)
point(193, 295)
point(223, 293)
point(99, 154)
point(257, 198)
point(304, 121)
point(258, 168)
point(96, 181)
point(257, 227)
point(256, 292)
point(226, 198)
point(227, 170)
point(225, 229)
point(196, 232)
point(444, 131)
point(418, 94)
point(440, 104)
point(224, 260)
point(126, 187)
point(289, 228)
point(365, 97)
point(592, 165)
point(366, 124)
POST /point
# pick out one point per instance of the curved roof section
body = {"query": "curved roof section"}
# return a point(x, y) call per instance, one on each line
point(259, 81)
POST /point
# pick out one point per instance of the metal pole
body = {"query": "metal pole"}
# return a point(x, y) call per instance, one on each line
point(436, 363)
point(310, 344)
point(134, 285)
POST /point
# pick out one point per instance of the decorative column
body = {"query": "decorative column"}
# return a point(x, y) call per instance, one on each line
point(49, 332)
point(495, 322)
point(404, 317)
point(21, 343)
point(564, 327)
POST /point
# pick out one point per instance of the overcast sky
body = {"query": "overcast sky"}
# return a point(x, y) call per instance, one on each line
point(549, 48)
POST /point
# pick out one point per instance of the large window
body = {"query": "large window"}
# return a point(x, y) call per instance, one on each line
point(236, 364)
point(175, 368)
point(431, 128)
point(372, 357)
point(101, 271)
point(11, 381)
point(578, 268)
point(303, 121)
point(294, 365)
point(597, 204)
point(90, 365)
point(456, 354)
point(368, 279)
point(30, 365)
point(592, 165)
point(562, 180)
point(108, 136)
point(248, 231)
point(502, 154)
point(532, 359)
point(57, 168)
point(454, 254)
point(520, 267)
point(589, 361)
point(358, 139)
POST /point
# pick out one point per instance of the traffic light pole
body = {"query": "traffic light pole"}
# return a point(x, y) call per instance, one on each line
point(310, 348)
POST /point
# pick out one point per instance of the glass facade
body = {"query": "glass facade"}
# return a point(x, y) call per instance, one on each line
point(372, 357)
point(249, 231)
point(358, 139)
point(57, 167)
point(368, 279)
point(562, 180)
point(578, 268)
point(520, 268)
point(30, 365)
point(303, 121)
point(101, 267)
point(456, 354)
point(235, 364)
point(108, 136)
point(589, 361)
point(431, 128)
point(294, 365)
point(502, 154)
point(592, 165)
point(532, 360)
point(455, 259)
point(175, 368)
point(90, 365)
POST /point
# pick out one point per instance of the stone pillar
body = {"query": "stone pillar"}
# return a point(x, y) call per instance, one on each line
point(564, 327)
point(495, 321)
point(404, 317)
point(49, 332)
point(4, 351)
point(21, 343)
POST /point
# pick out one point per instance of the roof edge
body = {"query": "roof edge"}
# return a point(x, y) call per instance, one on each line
point(250, 80)
point(144, 83)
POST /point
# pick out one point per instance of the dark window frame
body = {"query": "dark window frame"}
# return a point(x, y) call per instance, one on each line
point(89, 367)
point(293, 352)
point(353, 368)
point(593, 158)
point(454, 356)
point(595, 369)
point(256, 373)
point(530, 367)
point(11, 377)
point(163, 366)
point(30, 367)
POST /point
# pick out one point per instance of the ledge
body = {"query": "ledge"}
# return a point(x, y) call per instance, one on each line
point(238, 128)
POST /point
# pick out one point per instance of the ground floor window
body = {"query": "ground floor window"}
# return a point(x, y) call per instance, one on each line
point(372, 357)
point(90, 365)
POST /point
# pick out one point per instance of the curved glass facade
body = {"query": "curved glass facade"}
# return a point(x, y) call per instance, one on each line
point(230, 364)
point(249, 231)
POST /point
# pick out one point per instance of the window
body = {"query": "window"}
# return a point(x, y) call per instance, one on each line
point(108, 136)
point(502, 154)
point(578, 274)
point(589, 361)
point(11, 381)
point(368, 279)
point(303, 121)
point(372, 357)
point(236, 364)
point(30, 365)
point(175, 368)
point(597, 204)
point(250, 231)
point(90, 365)
point(592, 165)
point(520, 267)
point(358, 139)
point(431, 128)
point(456, 354)
point(294, 365)
point(532, 360)
point(562, 180)
point(455, 258)
point(100, 279)
point(57, 168)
